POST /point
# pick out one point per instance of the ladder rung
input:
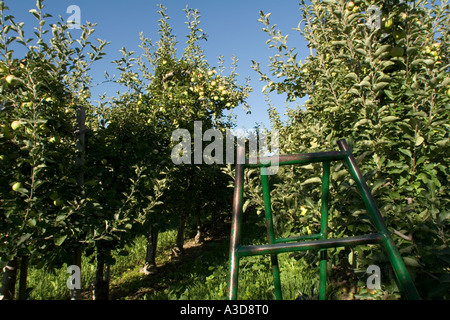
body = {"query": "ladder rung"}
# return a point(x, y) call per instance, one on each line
point(277, 248)
point(302, 158)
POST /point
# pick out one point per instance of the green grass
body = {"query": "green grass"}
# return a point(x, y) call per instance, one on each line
point(201, 274)
point(47, 285)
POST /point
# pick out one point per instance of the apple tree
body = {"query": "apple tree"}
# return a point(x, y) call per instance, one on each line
point(41, 200)
point(176, 90)
point(384, 88)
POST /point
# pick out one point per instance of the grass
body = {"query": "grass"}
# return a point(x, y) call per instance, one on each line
point(47, 285)
point(200, 274)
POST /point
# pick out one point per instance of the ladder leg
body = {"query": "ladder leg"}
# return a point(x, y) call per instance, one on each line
point(236, 223)
point(323, 229)
point(403, 278)
point(270, 232)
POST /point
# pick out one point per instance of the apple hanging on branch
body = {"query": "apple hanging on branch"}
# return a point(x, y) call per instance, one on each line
point(16, 186)
point(16, 124)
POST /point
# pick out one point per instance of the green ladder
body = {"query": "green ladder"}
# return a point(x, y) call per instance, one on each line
point(314, 241)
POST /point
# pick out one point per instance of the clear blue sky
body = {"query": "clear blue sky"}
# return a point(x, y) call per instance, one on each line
point(231, 25)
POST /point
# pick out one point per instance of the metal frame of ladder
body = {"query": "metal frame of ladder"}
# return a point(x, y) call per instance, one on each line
point(314, 241)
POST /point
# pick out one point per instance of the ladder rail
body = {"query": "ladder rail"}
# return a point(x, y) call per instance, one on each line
point(277, 248)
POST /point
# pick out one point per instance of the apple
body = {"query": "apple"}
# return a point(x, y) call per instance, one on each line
point(10, 78)
point(448, 92)
point(16, 124)
point(210, 73)
point(54, 140)
point(58, 202)
point(213, 83)
point(397, 51)
point(436, 45)
point(399, 34)
point(350, 5)
point(16, 186)
point(388, 23)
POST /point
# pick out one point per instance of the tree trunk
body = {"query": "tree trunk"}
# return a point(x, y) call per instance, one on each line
point(81, 142)
point(8, 289)
point(101, 282)
point(199, 238)
point(23, 277)
point(75, 294)
point(178, 250)
point(152, 243)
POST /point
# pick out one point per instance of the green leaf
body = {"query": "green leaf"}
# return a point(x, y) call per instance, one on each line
point(380, 85)
point(419, 140)
point(245, 206)
point(389, 119)
point(35, 13)
point(442, 143)
point(406, 152)
point(23, 238)
point(312, 180)
point(364, 83)
point(338, 42)
point(412, 262)
point(352, 76)
point(382, 49)
point(361, 122)
point(59, 240)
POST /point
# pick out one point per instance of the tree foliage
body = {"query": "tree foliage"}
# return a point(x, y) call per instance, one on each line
point(62, 194)
point(385, 90)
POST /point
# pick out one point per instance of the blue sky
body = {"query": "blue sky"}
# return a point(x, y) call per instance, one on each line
point(231, 25)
